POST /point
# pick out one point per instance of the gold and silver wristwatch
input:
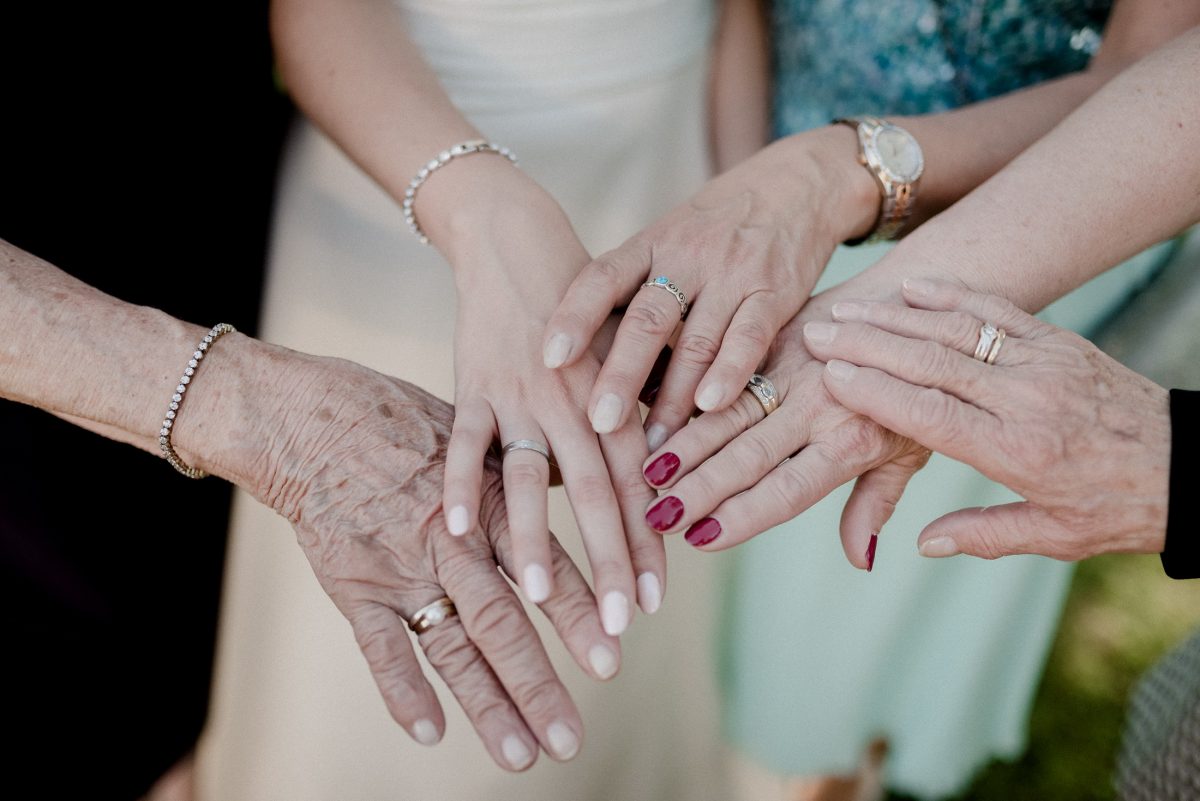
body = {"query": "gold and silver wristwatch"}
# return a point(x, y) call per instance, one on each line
point(893, 157)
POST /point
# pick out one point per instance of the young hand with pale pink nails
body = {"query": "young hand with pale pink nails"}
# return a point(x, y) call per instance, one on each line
point(1085, 440)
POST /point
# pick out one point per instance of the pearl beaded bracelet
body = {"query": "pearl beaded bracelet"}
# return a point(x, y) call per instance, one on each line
point(164, 433)
point(444, 158)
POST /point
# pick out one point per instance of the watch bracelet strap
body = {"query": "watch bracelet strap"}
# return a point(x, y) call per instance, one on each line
point(888, 221)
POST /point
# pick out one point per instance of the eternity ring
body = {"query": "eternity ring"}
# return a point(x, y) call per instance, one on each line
point(429, 616)
point(525, 445)
point(665, 283)
point(764, 392)
point(987, 335)
point(995, 349)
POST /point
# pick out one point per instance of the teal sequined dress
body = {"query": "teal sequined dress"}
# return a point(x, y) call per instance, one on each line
point(940, 656)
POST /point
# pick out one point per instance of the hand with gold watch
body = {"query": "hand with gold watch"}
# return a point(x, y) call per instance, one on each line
point(894, 159)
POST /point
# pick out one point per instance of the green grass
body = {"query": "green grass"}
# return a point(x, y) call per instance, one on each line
point(1122, 614)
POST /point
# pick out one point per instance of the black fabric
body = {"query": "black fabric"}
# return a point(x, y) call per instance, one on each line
point(1181, 556)
point(138, 144)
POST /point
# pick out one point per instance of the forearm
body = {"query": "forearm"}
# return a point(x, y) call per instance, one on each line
point(352, 68)
point(111, 367)
point(1118, 175)
point(739, 84)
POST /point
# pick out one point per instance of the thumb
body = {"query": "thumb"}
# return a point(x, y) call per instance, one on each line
point(871, 504)
point(990, 532)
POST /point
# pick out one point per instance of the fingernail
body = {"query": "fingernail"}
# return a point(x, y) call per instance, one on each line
point(556, 351)
point(842, 371)
point(536, 584)
point(563, 742)
point(649, 593)
point(663, 515)
point(458, 521)
point(654, 380)
point(516, 752)
point(919, 286)
point(939, 547)
point(871, 552)
point(849, 311)
point(661, 469)
point(702, 532)
point(603, 661)
point(710, 397)
point(424, 732)
point(614, 613)
point(820, 333)
point(656, 435)
point(607, 414)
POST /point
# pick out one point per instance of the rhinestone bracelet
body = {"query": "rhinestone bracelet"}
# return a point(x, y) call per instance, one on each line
point(444, 158)
point(164, 434)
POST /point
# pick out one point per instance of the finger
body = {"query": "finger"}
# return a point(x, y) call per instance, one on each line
point(526, 483)
point(492, 623)
point(603, 285)
point(917, 361)
point(571, 609)
point(994, 531)
point(789, 489)
point(931, 417)
point(937, 295)
point(738, 466)
point(698, 345)
point(700, 439)
point(594, 502)
point(383, 638)
point(649, 321)
point(624, 451)
point(743, 348)
point(472, 435)
point(871, 503)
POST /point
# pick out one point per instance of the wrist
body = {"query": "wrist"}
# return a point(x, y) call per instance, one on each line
point(827, 158)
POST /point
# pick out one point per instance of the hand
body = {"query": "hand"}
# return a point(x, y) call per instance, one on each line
point(511, 273)
point(732, 474)
point(1083, 439)
point(746, 251)
point(355, 463)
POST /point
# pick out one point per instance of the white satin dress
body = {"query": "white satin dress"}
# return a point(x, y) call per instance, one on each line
point(604, 103)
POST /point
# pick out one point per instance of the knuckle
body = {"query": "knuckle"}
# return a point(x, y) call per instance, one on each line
point(591, 490)
point(652, 318)
point(536, 696)
point(791, 491)
point(753, 335)
point(525, 474)
point(754, 454)
point(934, 410)
point(606, 268)
point(697, 348)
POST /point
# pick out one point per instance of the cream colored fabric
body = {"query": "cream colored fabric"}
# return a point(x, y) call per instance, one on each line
point(603, 101)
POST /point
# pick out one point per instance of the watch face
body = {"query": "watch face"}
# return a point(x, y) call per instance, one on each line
point(899, 154)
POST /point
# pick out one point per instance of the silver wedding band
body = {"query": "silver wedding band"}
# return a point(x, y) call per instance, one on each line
point(429, 616)
point(662, 282)
point(525, 445)
point(764, 392)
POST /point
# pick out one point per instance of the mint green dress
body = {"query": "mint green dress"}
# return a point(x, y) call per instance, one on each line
point(941, 657)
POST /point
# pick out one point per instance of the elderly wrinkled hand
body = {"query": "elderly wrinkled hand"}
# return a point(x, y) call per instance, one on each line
point(357, 465)
point(1083, 439)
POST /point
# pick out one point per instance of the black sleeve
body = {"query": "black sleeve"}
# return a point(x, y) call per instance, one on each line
point(1181, 554)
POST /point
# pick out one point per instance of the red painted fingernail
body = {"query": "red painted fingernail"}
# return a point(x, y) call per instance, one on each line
point(662, 468)
point(654, 380)
point(665, 514)
point(871, 552)
point(703, 532)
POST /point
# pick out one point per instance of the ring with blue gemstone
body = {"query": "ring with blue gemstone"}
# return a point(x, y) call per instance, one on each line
point(663, 282)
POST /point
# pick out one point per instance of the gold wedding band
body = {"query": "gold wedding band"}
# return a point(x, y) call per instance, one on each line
point(525, 445)
point(429, 616)
point(994, 350)
point(764, 392)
